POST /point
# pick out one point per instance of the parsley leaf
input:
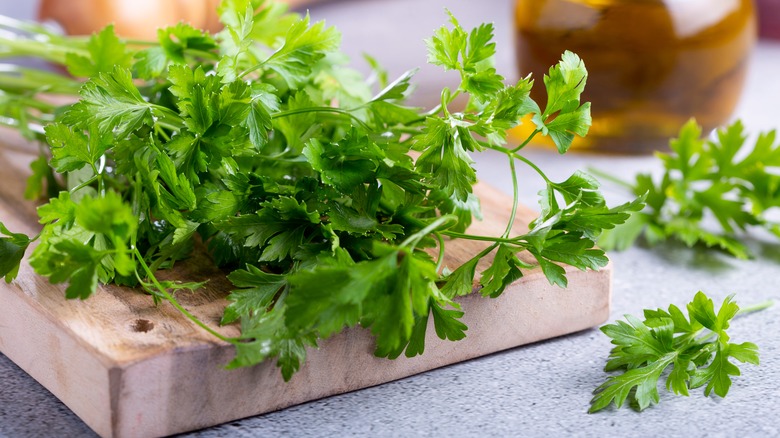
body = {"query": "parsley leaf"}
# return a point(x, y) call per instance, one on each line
point(176, 43)
point(106, 51)
point(115, 103)
point(696, 348)
point(76, 263)
point(258, 290)
point(504, 271)
point(446, 159)
point(12, 249)
point(303, 46)
point(711, 192)
point(72, 149)
point(564, 116)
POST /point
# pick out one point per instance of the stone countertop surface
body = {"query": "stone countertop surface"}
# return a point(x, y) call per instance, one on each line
point(540, 389)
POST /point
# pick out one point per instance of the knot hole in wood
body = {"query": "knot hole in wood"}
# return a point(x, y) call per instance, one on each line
point(141, 325)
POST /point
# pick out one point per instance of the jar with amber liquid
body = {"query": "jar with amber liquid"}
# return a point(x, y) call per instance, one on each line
point(652, 64)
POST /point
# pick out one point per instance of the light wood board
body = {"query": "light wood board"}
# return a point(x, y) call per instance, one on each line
point(128, 368)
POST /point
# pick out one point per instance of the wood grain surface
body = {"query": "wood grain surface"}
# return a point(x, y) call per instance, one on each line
point(129, 368)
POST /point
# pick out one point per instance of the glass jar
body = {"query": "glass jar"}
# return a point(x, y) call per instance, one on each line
point(653, 64)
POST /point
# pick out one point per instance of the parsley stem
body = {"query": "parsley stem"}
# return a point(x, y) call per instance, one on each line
point(423, 117)
point(168, 297)
point(441, 221)
point(167, 118)
point(202, 54)
point(435, 110)
point(84, 184)
point(25, 101)
point(43, 50)
point(321, 109)
point(516, 196)
point(167, 125)
point(527, 140)
point(756, 307)
point(30, 27)
point(532, 166)
point(141, 43)
point(158, 128)
point(17, 81)
point(440, 259)
point(455, 235)
point(255, 67)
point(519, 157)
point(610, 178)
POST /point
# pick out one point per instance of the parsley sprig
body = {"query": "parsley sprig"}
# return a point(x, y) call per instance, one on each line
point(711, 191)
point(297, 176)
point(697, 351)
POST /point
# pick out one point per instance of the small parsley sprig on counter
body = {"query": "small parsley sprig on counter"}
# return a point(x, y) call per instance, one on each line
point(298, 177)
point(710, 191)
point(696, 349)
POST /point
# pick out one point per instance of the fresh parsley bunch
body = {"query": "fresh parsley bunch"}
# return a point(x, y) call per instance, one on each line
point(321, 198)
point(710, 191)
point(697, 351)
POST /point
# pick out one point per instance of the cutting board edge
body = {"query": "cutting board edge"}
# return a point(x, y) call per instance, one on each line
point(36, 343)
point(114, 385)
point(176, 415)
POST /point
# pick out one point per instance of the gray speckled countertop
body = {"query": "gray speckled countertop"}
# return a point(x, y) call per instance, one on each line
point(541, 389)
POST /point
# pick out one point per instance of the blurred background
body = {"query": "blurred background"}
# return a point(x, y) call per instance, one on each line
point(653, 64)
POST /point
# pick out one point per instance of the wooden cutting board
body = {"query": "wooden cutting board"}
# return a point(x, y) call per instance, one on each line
point(129, 369)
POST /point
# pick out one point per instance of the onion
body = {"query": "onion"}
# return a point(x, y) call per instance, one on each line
point(137, 19)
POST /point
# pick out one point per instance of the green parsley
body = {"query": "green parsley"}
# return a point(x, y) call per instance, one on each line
point(695, 349)
point(710, 191)
point(296, 173)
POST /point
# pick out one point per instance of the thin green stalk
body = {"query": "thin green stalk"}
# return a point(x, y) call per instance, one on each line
point(26, 101)
point(203, 54)
point(323, 109)
point(519, 157)
point(99, 177)
point(527, 140)
point(159, 130)
point(756, 307)
point(164, 293)
point(16, 25)
point(31, 48)
point(441, 221)
point(610, 178)
point(18, 85)
point(164, 255)
point(141, 43)
point(456, 235)
point(84, 184)
point(532, 166)
point(440, 259)
point(486, 251)
point(254, 68)
point(412, 131)
point(173, 127)
point(167, 118)
point(515, 200)
point(435, 110)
